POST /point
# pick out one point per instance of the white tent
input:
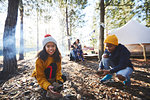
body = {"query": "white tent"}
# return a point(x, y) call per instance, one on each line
point(135, 36)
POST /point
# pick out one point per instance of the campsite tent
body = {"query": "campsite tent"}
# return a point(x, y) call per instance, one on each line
point(135, 36)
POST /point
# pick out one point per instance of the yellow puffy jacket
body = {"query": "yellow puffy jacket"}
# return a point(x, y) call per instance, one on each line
point(40, 75)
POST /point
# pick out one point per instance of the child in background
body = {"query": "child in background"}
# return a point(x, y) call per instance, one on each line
point(116, 59)
point(79, 50)
point(48, 66)
point(73, 53)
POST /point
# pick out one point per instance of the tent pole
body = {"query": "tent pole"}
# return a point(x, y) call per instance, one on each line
point(144, 51)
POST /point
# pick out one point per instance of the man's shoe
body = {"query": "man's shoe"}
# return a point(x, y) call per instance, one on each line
point(106, 78)
point(127, 82)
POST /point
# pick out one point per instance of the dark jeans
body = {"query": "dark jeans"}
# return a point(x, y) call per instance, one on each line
point(73, 55)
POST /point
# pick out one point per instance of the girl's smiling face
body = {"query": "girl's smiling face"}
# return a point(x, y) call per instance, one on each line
point(50, 48)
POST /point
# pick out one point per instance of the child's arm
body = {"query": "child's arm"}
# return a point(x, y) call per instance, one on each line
point(40, 75)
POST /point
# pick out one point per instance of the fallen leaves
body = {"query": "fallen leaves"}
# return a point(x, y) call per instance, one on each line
point(82, 83)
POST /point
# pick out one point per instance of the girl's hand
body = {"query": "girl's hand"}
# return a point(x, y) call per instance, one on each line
point(50, 89)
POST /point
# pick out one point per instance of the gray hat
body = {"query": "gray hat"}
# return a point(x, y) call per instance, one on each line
point(48, 38)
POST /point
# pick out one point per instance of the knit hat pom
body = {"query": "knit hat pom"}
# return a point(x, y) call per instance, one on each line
point(48, 38)
point(47, 35)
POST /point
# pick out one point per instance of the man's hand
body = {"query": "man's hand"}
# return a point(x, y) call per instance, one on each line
point(105, 72)
point(105, 56)
point(99, 71)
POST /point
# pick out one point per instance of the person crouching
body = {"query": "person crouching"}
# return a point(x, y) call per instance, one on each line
point(48, 68)
point(116, 59)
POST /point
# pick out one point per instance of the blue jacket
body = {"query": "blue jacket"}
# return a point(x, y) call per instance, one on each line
point(120, 57)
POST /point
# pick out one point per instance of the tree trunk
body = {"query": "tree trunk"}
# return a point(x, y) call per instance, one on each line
point(21, 52)
point(9, 41)
point(37, 28)
point(67, 28)
point(101, 35)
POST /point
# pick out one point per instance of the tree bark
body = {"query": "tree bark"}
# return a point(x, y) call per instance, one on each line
point(37, 28)
point(21, 52)
point(67, 28)
point(101, 35)
point(9, 41)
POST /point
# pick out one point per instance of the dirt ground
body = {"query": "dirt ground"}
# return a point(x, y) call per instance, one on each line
point(82, 82)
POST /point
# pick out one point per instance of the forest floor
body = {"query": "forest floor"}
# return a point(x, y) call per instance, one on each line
point(82, 82)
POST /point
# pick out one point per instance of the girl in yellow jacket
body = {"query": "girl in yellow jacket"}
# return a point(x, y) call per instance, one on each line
point(48, 65)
